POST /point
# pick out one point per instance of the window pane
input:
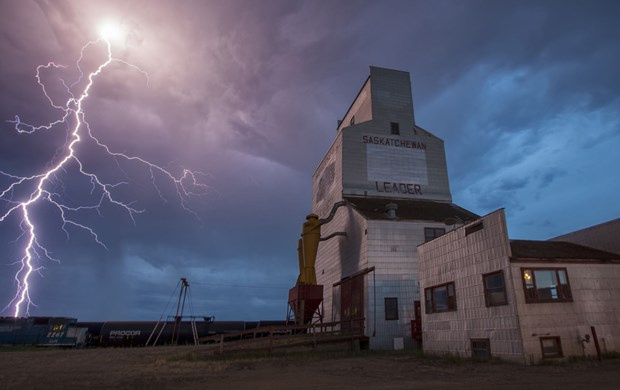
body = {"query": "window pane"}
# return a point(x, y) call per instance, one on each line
point(391, 308)
point(427, 301)
point(395, 128)
point(431, 233)
point(440, 298)
point(546, 284)
point(550, 347)
point(497, 298)
point(530, 291)
point(545, 278)
point(494, 281)
point(495, 291)
point(562, 275)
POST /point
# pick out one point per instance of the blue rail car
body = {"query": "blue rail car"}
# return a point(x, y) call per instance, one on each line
point(42, 331)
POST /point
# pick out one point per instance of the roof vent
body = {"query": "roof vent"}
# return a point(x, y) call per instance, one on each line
point(390, 209)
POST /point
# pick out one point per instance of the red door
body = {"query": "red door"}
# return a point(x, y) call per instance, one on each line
point(416, 325)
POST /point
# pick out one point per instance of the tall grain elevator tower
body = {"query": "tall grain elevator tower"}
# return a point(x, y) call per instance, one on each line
point(394, 177)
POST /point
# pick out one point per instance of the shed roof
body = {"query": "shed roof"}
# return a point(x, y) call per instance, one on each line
point(558, 251)
point(423, 210)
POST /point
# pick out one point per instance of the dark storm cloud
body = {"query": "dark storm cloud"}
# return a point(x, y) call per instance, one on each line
point(500, 193)
point(523, 93)
point(547, 177)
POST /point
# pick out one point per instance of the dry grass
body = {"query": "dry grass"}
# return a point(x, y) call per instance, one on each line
point(195, 367)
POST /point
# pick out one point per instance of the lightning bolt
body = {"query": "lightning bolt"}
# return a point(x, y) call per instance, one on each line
point(40, 187)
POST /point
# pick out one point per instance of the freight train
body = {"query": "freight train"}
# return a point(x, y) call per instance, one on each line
point(67, 332)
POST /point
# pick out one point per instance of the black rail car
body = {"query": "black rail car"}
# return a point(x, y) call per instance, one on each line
point(137, 333)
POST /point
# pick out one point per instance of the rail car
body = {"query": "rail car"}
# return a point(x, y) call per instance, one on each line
point(139, 333)
point(42, 331)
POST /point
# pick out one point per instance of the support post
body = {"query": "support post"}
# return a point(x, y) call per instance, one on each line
point(596, 345)
point(300, 321)
point(314, 336)
point(176, 330)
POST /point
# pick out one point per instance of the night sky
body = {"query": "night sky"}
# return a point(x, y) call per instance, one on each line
point(524, 94)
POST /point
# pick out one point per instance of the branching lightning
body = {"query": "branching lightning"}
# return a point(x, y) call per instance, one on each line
point(39, 187)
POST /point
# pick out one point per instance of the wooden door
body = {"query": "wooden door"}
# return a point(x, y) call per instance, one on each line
point(352, 302)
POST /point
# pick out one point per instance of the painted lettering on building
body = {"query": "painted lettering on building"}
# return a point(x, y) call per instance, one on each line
point(399, 143)
point(398, 188)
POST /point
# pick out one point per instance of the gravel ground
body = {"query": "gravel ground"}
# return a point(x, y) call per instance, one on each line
point(191, 367)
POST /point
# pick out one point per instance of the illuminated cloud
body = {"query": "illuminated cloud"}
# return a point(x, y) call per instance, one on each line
point(523, 93)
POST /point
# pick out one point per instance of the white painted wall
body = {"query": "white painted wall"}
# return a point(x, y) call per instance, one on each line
point(514, 330)
point(596, 302)
point(463, 260)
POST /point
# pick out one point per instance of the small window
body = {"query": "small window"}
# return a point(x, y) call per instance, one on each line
point(432, 233)
point(551, 347)
point(494, 289)
point(546, 285)
point(473, 228)
point(352, 121)
point(391, 309)
point(440, 298)
point(395, 128)
point(480, 349)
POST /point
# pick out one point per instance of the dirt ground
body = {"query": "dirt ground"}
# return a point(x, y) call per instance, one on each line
point(190, 367)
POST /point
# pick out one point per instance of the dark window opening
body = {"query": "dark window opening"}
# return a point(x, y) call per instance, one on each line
point(391, 309)
point(480, 349)
point(546, 285)
point(432, 233)
point(41, 321)
point(473, 228)
point(440, 298)
point(352, 121)
point(494, 289)
point(395, 128)
point(551, 347)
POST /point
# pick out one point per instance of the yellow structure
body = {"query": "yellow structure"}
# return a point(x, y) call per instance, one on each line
point(307, 249)
point(304, 300)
